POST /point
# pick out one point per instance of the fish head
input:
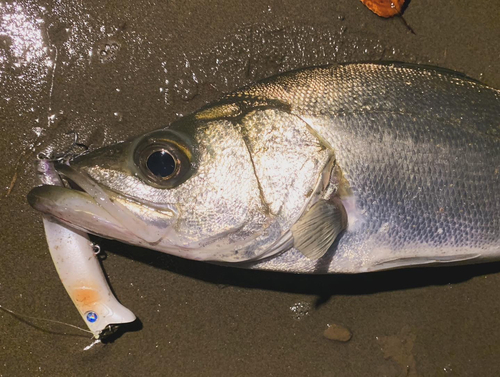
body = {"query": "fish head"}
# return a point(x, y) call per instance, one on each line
point(205, 188)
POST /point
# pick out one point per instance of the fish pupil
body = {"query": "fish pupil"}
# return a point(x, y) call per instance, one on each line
point(161, 163)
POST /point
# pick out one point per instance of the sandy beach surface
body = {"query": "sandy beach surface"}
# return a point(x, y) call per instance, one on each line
point(111, 70)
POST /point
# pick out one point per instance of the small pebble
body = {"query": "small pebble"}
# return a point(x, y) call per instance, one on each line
point(337, 332)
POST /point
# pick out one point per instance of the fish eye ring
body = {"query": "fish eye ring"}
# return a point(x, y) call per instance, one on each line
point(162, 163)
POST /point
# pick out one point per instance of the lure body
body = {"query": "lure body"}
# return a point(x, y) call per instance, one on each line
point(78, 267)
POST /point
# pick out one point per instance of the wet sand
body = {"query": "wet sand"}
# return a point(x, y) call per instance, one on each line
point(112, 70)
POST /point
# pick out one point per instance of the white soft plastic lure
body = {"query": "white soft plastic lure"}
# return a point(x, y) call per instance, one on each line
point(78, 268)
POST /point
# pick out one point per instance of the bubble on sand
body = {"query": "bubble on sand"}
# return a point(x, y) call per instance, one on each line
point(300, 310)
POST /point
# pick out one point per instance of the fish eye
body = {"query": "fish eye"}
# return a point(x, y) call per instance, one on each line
point(162, 163)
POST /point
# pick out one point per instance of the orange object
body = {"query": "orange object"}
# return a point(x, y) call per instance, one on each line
point(385, 8)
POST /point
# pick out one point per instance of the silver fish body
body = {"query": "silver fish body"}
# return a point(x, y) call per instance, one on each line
point(404, 158)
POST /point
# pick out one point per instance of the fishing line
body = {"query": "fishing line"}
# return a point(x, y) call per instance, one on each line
point(22, 318)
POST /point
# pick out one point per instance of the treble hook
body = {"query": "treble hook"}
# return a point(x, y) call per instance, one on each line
point(68, 154)
point(76, 143)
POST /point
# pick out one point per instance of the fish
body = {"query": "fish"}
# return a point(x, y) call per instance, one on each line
point(346, 168)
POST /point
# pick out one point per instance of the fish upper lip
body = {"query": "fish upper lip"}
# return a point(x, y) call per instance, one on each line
point(118, 211)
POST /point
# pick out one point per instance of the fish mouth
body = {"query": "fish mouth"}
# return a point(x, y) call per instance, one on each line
point(95, 209)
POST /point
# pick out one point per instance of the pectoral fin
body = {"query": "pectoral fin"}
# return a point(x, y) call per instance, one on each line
point(318, 228)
